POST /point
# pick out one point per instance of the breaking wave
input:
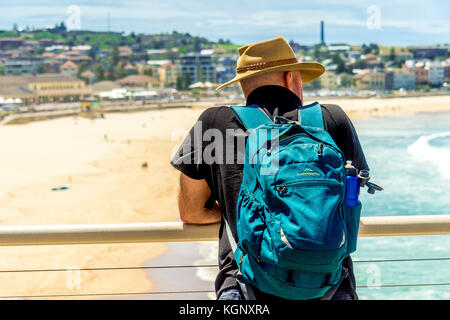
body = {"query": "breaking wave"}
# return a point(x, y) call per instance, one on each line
point(427, 149)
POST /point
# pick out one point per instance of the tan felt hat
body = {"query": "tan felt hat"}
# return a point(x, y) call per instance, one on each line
point(271, 56)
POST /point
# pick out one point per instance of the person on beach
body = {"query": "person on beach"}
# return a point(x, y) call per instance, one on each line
point(211, 173)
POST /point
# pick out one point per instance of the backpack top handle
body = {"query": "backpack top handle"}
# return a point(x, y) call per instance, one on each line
point(311, 116)
point(252, 116)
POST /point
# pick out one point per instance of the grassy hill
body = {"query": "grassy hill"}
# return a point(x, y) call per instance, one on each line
point(183, 41)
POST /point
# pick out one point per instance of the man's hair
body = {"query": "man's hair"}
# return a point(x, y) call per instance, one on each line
point(272, 78)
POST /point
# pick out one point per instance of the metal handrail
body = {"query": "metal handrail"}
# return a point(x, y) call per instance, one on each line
point(177, 231)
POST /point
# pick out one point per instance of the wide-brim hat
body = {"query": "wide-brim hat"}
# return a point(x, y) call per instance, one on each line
point(271, 56)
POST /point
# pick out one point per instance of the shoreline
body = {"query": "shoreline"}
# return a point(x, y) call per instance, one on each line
point(372, 108)
point(391, 105)
point(102, 162)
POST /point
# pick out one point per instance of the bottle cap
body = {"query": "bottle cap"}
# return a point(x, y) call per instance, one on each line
point(350, 169)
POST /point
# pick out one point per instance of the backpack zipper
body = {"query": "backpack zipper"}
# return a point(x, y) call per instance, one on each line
point(321, 144)
point(283, 188)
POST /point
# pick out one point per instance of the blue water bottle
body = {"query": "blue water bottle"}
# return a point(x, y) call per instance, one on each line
point(352, 188)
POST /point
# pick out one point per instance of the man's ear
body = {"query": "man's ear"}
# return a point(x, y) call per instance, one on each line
point(287, 79)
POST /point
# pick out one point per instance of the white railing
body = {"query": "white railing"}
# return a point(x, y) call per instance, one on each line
point(177, 231)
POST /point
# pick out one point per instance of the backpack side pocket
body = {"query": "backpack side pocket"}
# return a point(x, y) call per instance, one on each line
point(352, 217)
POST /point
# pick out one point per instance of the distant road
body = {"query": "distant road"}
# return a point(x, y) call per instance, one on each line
point(111, 107)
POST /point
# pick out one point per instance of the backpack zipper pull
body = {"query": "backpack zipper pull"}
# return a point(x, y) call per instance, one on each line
point(281, 189)
point(320, 150)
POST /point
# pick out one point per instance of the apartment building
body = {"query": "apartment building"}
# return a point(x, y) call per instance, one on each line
point(401, 79)
point(199, 67)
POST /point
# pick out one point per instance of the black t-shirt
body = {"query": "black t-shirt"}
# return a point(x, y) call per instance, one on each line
point(225, 178)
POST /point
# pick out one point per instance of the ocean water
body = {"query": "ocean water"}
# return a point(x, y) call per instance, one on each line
point(409, 156)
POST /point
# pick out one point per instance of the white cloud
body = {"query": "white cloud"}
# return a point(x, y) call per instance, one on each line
point(234, 18)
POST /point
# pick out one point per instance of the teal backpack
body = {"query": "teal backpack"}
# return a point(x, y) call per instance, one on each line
point(293, 227)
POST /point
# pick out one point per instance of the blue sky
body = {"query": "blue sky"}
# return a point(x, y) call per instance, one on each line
point(401, 22)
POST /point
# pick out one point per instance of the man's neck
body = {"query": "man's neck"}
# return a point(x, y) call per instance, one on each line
point(273, 97)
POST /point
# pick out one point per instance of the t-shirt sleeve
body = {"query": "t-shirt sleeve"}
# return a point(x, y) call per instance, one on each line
point(344, 134)
point(188, 158)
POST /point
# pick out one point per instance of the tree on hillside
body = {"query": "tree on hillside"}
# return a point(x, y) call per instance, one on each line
point(120, 71)
point(148, 72)
point(339, 62)
point(115, 56)
point(197, 45)
point(374, 48)
point(371, 48)
point(392, 54)
point(99, 74)
point(111, 74)
point(365, 49)
point(358, 64)
point(39, 50)
point(316, 52)
point(92, 53)
point(201, 76)
point(172, 56)
point(82, 68)
point(183, 82)
point(313, 85)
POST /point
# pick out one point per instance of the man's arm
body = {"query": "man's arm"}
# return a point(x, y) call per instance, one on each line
point(192, 198)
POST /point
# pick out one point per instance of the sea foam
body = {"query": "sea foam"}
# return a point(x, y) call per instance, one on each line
point(422, 150)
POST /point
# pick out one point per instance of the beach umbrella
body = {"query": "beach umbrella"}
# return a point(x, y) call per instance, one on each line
point(208, 84)
point(197, 85)
point(2, 100)
point(114, 94)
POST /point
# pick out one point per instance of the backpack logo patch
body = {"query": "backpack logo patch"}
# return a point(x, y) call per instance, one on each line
point(308, 172)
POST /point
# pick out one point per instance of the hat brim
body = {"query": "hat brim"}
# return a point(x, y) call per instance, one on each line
point(308, 70)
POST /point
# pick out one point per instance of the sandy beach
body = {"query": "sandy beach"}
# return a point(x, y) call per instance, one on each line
point(117, 171)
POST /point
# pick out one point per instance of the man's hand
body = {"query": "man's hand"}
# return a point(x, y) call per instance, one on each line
point(192, 199)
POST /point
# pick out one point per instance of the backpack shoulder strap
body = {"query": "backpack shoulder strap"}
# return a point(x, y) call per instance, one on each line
point(251, 116)
point(311, 116)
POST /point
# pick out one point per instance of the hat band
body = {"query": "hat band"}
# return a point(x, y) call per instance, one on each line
point(264, 65)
